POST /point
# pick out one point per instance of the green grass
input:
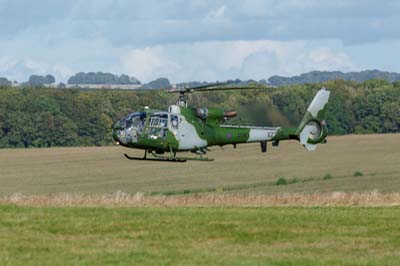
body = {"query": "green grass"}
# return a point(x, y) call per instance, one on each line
point(281, 181)
point(295, 180)
point(358, 173)
point(199, 236)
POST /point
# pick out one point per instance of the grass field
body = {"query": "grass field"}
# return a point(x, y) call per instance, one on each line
point(199, 236)
point(90, 206)
point(99, 170)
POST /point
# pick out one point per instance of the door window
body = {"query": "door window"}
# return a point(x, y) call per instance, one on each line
point(174, 122)
point(158, 126)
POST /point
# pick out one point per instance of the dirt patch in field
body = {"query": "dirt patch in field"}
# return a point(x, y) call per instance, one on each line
point(122, 199)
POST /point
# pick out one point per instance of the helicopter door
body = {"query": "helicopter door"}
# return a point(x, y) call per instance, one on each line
point(158, 126)
point(174, 125)
point(174, 122)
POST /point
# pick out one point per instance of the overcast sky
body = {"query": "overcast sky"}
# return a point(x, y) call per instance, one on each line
point(197, 40)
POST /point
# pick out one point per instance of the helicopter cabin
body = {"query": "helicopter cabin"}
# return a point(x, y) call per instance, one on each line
point(146, 125)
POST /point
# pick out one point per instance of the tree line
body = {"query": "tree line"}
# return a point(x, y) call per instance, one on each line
point(46, 117)
point(324, 76)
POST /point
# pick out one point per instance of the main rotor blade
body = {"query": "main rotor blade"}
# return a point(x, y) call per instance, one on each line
point(241, 87)
point(219, 87)
point(190, 89)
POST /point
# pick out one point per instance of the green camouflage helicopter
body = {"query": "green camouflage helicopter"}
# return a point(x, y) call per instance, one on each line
point(185, 128)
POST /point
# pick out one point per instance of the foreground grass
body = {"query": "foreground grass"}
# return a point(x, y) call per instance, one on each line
point(194, 236)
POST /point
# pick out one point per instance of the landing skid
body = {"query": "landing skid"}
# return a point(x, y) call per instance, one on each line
point(159, 159)
point(172, 158)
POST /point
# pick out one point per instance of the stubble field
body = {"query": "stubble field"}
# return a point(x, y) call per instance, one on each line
point(346, 164)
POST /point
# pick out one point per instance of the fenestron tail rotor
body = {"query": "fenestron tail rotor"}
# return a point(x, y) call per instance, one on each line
point(313, 129)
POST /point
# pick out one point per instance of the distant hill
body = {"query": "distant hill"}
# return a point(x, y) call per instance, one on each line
point(323, 76)
point(37, 80)
point(102, 78)
point(4, 82)
point(160, 83)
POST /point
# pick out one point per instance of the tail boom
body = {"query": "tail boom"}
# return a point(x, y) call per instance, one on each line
point(311, 131)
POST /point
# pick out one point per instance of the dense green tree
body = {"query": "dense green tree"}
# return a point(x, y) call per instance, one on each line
point(37, 80)
point(101, 78)
point(46, 117)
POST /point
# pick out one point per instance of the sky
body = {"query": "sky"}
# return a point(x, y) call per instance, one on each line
point(188, 40)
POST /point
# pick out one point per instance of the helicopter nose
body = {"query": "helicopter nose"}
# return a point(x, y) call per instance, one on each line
point(115, 133)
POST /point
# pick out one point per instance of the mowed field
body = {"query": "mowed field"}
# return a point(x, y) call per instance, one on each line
point(99, 170)
point(199, 236)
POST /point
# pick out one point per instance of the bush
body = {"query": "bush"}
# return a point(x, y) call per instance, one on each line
point(327, 176)
point(281, 181)
point(294, 180)
point(358, 173)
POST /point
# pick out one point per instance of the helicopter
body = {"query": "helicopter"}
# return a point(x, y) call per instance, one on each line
point(185, 128)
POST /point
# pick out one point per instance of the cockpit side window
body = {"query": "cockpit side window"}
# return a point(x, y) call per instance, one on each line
point(154, 121)
point(158, 126)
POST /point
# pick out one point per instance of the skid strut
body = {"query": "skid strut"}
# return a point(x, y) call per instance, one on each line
point(172, 158)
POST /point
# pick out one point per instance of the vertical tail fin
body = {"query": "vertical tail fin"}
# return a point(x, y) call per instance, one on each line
point(312, 129)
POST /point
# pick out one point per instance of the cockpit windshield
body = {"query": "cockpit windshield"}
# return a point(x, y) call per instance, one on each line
point(135, 120)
